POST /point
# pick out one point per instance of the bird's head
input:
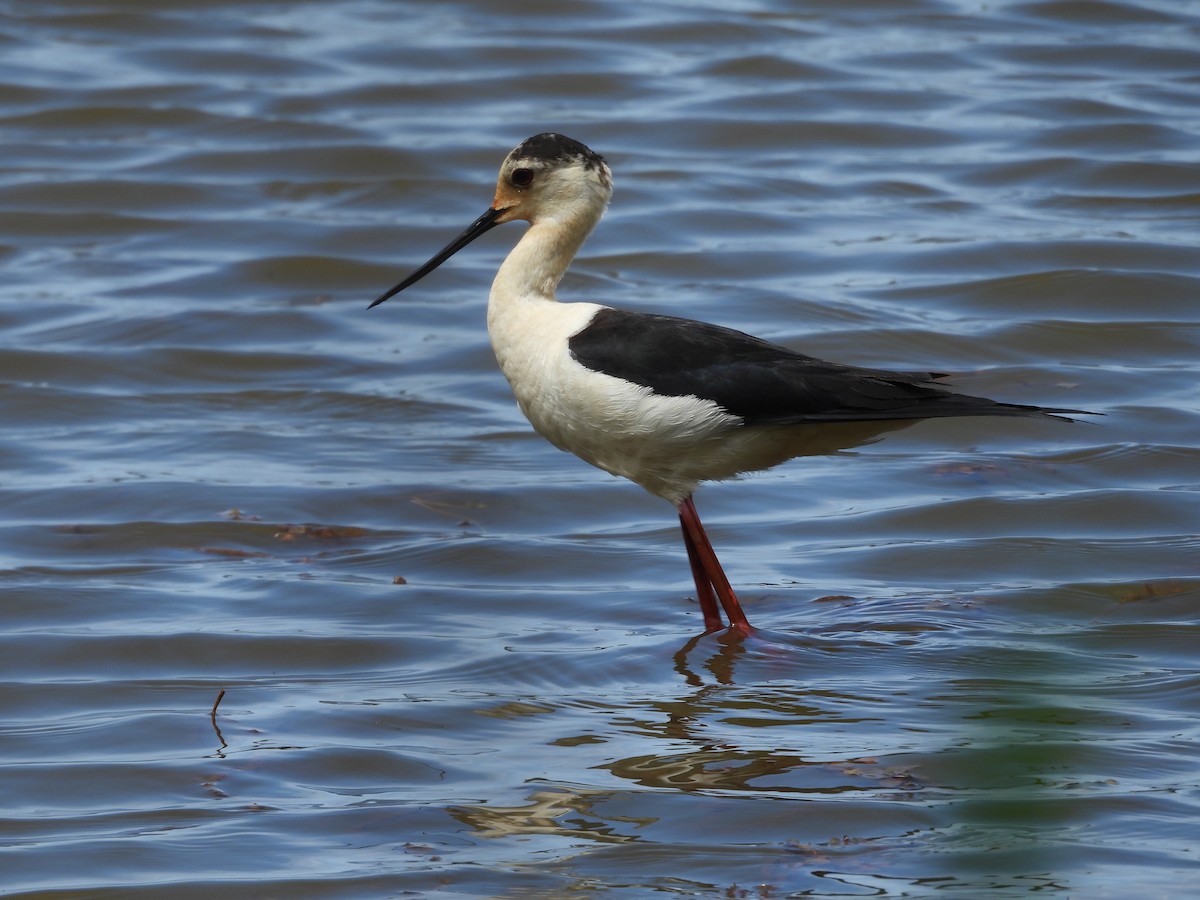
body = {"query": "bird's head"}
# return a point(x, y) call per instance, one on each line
point(548, 178)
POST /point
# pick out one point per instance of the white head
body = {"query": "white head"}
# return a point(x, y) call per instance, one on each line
point(551, 176)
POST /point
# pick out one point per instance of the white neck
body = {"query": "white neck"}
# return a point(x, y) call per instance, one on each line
point(536, 265)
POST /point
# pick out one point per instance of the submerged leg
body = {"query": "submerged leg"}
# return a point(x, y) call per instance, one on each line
point(701, 550)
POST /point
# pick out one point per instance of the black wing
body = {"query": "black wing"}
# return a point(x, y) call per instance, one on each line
point(761, 382)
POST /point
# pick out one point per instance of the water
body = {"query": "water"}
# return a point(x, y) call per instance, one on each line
point(459, 663)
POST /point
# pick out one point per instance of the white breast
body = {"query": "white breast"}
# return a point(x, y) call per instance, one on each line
point(623, 428)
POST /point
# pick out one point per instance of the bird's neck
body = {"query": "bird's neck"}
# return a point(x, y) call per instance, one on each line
point(536, 265)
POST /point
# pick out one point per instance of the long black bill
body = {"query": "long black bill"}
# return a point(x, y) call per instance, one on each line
point(482, 225)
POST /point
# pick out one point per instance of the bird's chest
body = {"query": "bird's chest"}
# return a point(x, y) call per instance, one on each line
point(560, 397)
point(607, 421)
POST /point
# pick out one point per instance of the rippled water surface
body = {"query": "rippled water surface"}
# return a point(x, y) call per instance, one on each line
point(460, 663)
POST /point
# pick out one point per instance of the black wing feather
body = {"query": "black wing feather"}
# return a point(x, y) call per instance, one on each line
point(761, 382)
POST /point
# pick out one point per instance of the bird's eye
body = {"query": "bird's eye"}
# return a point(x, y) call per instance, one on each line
point(522, 177)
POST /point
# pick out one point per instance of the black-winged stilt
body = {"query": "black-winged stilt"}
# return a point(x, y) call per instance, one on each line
point(663, 401)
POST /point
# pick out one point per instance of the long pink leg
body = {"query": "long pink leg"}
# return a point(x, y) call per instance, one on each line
point(704, 588)
point(701, 549)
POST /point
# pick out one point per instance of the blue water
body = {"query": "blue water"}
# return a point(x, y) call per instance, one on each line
point(459, 663)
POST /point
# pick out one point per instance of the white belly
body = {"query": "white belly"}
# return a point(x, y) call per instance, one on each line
point(665, 444)
point(615, 425)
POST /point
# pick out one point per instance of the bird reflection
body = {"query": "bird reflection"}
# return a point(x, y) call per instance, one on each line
point(720, 662)
point(566, 811)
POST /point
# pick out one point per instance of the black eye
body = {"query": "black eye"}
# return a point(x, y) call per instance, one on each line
point(522, 177)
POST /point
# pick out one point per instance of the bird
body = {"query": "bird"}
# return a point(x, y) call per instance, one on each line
point(663, 401)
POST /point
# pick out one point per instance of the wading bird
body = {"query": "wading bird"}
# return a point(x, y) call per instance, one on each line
point(663, 401)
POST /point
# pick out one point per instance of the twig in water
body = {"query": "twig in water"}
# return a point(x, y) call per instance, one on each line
point(213, 715)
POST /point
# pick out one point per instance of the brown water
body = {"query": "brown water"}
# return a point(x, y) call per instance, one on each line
point(976, 670)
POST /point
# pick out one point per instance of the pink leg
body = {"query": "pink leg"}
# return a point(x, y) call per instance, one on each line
point(700, 550)
point(704, 589)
